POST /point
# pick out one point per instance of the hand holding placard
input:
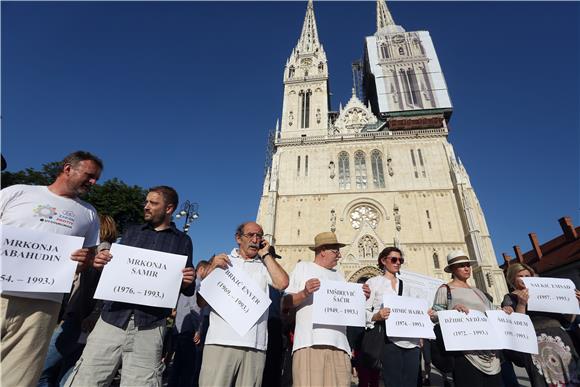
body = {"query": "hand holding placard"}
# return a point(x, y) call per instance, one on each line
point(339, 303)
point(555, 295)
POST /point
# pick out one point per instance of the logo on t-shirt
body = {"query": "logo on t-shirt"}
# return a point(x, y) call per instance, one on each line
point(50, 214)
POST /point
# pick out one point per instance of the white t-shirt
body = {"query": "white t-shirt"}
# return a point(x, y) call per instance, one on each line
point(306, 333)
point(36, 207)
point(381, 285)
point(220, 332)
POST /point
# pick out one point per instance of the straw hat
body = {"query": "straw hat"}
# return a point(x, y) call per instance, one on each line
point(455, 257)
point(325, 239)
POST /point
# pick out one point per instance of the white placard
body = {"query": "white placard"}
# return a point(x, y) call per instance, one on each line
point(408, 317)
point(140, 276)
point(37, 261)
point(339, 303)
point(420, 286)
point(515, 331)
point(234, 295)
point(551, 295)
point(467, 332)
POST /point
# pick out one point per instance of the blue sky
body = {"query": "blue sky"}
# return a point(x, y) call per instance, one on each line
point(184, 94)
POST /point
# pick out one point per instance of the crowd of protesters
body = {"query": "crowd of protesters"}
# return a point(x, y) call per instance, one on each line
point(55, 339)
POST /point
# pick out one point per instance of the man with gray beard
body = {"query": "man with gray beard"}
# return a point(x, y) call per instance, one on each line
point(230, 359)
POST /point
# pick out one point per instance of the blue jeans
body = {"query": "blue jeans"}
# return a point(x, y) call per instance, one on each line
point(63, 352)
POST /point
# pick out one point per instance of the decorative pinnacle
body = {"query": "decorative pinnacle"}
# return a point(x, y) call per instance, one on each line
point(384, 17)
point(308, 41)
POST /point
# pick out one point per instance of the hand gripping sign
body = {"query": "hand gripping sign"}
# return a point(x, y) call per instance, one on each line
point(37, 261)
point(339, 303)
point(140, 276)
point(235, 297)
point(555, 295)
point(408, 317)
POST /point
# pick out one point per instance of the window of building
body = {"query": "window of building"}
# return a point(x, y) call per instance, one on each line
point(291, 72)
point(306, 165)
point(377, 167)
point(305, 108)
point(413, 157)
point(385, 51)
point(343, 171)
point(298, 167)
point(360, 170)
point(401, 51)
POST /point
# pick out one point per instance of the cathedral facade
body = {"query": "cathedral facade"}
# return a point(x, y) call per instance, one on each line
point(379, 172)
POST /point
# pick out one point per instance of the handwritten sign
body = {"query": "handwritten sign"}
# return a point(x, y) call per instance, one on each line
point(141, 276)
point(515, 331)
point(420, 286)
point(37, 261)
point(467, 332)
point(551, 295)
point(235, 297)
point(408, 317)
point(339, 303)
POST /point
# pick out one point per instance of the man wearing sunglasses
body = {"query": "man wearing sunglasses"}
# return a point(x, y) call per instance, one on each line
point(320, 353)
point(228, 358)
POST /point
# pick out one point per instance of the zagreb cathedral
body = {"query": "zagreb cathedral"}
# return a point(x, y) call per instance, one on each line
point(380, 171)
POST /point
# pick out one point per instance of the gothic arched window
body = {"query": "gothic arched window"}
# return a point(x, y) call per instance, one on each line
point(401, 51)
point(320, 67)
point(377, 167)
point(291, 72)
point(305, 108)
point(360, 170)
point(343, 171)
point(385, 51)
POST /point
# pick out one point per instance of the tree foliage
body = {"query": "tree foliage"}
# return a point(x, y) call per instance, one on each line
point(113, 197)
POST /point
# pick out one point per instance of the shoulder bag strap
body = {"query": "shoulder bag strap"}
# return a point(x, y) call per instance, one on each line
point(400, 293)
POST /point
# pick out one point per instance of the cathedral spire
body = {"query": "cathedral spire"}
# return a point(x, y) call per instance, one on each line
point(384, 18)
point(385, 22)
point(308, 41)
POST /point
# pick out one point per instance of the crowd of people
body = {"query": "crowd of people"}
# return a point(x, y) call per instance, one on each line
point(56, 339)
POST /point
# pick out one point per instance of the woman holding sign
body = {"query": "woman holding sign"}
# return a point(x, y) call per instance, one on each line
point(471, 368)
point(400, 356)
point(556, 362)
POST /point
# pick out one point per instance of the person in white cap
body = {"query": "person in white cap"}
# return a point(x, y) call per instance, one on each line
point(471, 368)
point(321, 355)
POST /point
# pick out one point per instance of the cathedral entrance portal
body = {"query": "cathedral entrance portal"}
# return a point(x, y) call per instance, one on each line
point(362, 275)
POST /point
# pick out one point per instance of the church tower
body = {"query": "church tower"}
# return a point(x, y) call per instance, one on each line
point(379, 172)
point(306, 98)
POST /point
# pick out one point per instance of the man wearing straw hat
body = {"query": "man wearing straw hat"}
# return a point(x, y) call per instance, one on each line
point(320, 353)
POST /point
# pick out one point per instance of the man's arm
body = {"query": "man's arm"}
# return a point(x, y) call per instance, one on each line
point(188, 282)
point(293, 300)
point(279, 276)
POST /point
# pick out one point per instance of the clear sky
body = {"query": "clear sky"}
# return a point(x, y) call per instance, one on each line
point(184, 94)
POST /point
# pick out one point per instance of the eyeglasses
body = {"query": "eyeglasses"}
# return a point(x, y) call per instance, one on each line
point(394, 260)
point(335, 251)
point(252, 235)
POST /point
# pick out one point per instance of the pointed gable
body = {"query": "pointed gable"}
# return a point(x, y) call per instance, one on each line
point(355, 117)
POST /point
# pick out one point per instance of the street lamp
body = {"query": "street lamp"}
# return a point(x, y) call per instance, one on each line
point(189, 214)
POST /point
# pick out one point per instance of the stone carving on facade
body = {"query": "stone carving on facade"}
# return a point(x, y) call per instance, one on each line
point(318, 116)
point(331, 169)
point(332, 220)
point(397, 217)
point(368, 248)
point(290, 118)
point(354, 117)
point(390, 165)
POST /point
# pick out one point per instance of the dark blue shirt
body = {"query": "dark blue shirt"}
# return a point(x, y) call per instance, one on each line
point(170, 240)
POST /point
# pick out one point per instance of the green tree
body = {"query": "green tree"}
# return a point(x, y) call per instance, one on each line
point(113, 197)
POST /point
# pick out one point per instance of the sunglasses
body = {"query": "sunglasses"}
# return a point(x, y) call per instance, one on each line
point(396, 259)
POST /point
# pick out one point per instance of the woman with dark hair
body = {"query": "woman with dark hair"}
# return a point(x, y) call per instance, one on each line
point(556, 361)
point(401, 356)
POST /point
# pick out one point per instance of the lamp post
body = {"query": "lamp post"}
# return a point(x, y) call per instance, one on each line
point(189, 214)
